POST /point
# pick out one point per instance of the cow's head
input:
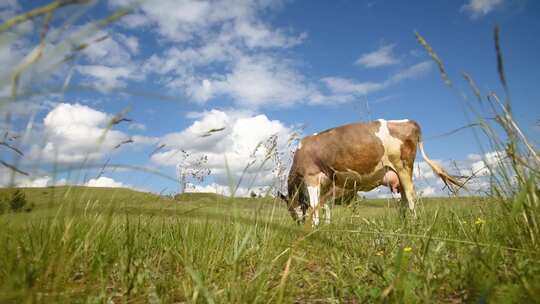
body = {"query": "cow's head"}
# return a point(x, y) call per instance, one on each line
point(297, 209)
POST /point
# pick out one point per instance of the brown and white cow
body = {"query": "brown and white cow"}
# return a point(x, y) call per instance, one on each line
point(356, 157)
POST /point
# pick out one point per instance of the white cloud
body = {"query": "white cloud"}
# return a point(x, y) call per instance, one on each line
point(429, 184)
point(32, 181)
point(257, 34)
point(35, 183)
point(105, 182)
point(185, 20)
point(115, 50)
point(212, 49)
point(340, 85)
point(411, 72)
point(380, 192)
point(76, 132)
point(478, 166)
point(382, 57)
point(145, 140)
point(73, 133)
point(107, 78)
point(486, 164)
point(218, 189)
point(257, 81)
point(479, 8)
point(192, 137)
point(176, 20)
point(9, 53)
point(422, 171)
point(8, 9)
point(428, 191)
point(250, 80)
point(350, 86)
point(225, 46)
point(12, 52)
point(9, 5)
point(254, 82)
point(225, 49)
point(134, 20)
point(47, 181)
point(107, 60)
point(131, 42)
point(222, 48)
point(40, 180)
point(24, 108)
point(229, 151)
point(65, 115)
point(136, 126)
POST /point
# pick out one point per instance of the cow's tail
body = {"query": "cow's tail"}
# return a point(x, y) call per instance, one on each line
point(451, 182)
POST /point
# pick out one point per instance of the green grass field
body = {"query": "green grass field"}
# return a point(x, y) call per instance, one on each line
point(92, 245)
point(102, 245)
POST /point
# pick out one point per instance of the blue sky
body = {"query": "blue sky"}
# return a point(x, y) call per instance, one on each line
point(256, 68)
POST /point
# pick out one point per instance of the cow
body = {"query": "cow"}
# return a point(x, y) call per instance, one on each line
point(356, 157)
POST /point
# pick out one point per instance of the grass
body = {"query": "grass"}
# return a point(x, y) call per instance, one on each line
point(100, 245)
point(91, 245)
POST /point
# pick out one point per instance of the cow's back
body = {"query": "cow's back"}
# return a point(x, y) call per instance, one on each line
point(353, 147)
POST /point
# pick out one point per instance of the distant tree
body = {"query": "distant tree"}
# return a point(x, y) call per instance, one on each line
point(17, 202)
point(191, 168)
point(29, 207)
point(3, 204)
point(253, 194)
point(282, 157)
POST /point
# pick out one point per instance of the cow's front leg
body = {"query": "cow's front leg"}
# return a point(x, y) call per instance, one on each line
point(314, 191)
point(313, 184)
point(326, 200)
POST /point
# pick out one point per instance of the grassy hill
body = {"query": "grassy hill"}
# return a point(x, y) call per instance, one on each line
point(43, 196)
point(117, 245)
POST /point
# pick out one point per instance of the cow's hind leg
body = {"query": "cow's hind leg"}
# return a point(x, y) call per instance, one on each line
point(407, 188)
point(327, 213)
point(326, 198)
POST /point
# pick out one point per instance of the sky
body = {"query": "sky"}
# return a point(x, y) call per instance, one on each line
point(216, 85)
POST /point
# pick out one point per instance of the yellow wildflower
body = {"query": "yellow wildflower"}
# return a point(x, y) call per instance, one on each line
point(479, 221)
point(407, 249)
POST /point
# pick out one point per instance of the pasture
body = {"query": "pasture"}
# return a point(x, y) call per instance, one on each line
point(104, 245)
point(78, 95)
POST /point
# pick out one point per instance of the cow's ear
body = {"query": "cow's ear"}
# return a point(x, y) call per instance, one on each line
point(283, 197)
